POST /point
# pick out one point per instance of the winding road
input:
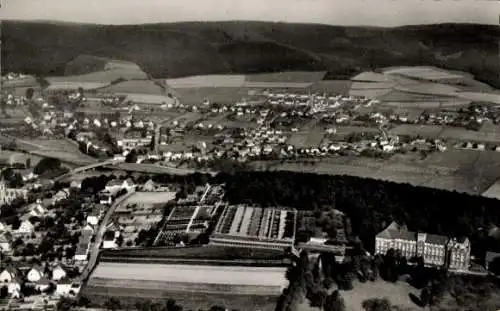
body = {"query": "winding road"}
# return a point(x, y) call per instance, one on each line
point(94, 251)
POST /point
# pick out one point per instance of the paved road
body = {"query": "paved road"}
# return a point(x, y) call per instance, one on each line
point(94, 251)
point(84, 168)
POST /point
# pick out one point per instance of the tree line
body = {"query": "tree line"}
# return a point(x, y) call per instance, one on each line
point(371, 204)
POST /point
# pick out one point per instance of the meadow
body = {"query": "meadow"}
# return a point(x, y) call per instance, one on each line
point(129, 296)
point(135, 86)
point(207, 81)
point(287, 76)
point(221, 95)
point(152, 99)
point(104, 76)
point(330, 86)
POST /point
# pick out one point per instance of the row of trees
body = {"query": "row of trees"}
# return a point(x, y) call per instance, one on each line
point(114, 304)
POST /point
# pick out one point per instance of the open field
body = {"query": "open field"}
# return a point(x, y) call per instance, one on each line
point(187, 287)
point(396, 293)
point(424, 73)
point(431, 131)
point(279, 85)
point(477, 96)
point(430, 89)
point(201, 252)
point(105, 76)
point(129, 296)
point(66, 85)
point(370, 76)
point(369, 93)
point(447, 133)
point(207, 81)
point(287, 76)
point(307, 138)
point(222, 95)
point(134, 86)
point(149, 197)
point(28, 81)
point(466, 171)
point(139, 98)
point(198, 274)
point(330, 86)
point(356, 85)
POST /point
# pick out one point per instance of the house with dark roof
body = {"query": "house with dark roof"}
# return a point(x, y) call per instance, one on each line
point(436, 250)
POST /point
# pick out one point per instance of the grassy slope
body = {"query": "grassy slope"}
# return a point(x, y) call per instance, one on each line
point(181, 49)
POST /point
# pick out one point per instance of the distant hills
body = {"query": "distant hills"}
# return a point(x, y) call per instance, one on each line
point(198, 48)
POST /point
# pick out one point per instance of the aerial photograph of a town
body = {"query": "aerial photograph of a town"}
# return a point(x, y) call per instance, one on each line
point(231, 155)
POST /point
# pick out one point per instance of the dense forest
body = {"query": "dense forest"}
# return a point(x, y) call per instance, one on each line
point(193, 48)
point(371, 204)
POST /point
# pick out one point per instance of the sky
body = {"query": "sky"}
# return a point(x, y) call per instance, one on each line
point(335, 12)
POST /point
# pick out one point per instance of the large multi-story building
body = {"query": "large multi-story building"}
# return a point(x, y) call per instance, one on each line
point(436, 250)
point(255, 226)
point(7, 195)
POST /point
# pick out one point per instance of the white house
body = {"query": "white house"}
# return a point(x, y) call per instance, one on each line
point(14, 287)
point(8, 274)
point(76, 184)
point(37, 210)
point(109, 240)
point(5, 242)
point(82, 252)
point(43, 284)
point(60, 195)
point(93, 217)
point(35, 274)
point(116, 185)
point(25, 228)
point(58, 273)
point(63, 287)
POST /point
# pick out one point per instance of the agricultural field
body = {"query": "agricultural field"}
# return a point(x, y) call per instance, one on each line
point(429, 89)
point(104, 76)
point(28, 81)
point(21, 91)
point(478, 96)
point(134, 87)
point(423, 73)
point(149, 198)
point(221, 95)
point(186, 118)
point(129, 296)
point(151, 99)
point(200, 252)
point(462, 134)
point(370, 76)
point(121, 64)
point(275, 85)
point(287, 76)
point(431, 131)
point(331, 86)
point(210, 81)
point(369, 93)
point(197, 274)
point(307, 138)
point(356, 85)
point(66, 85)
point(422, 104)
